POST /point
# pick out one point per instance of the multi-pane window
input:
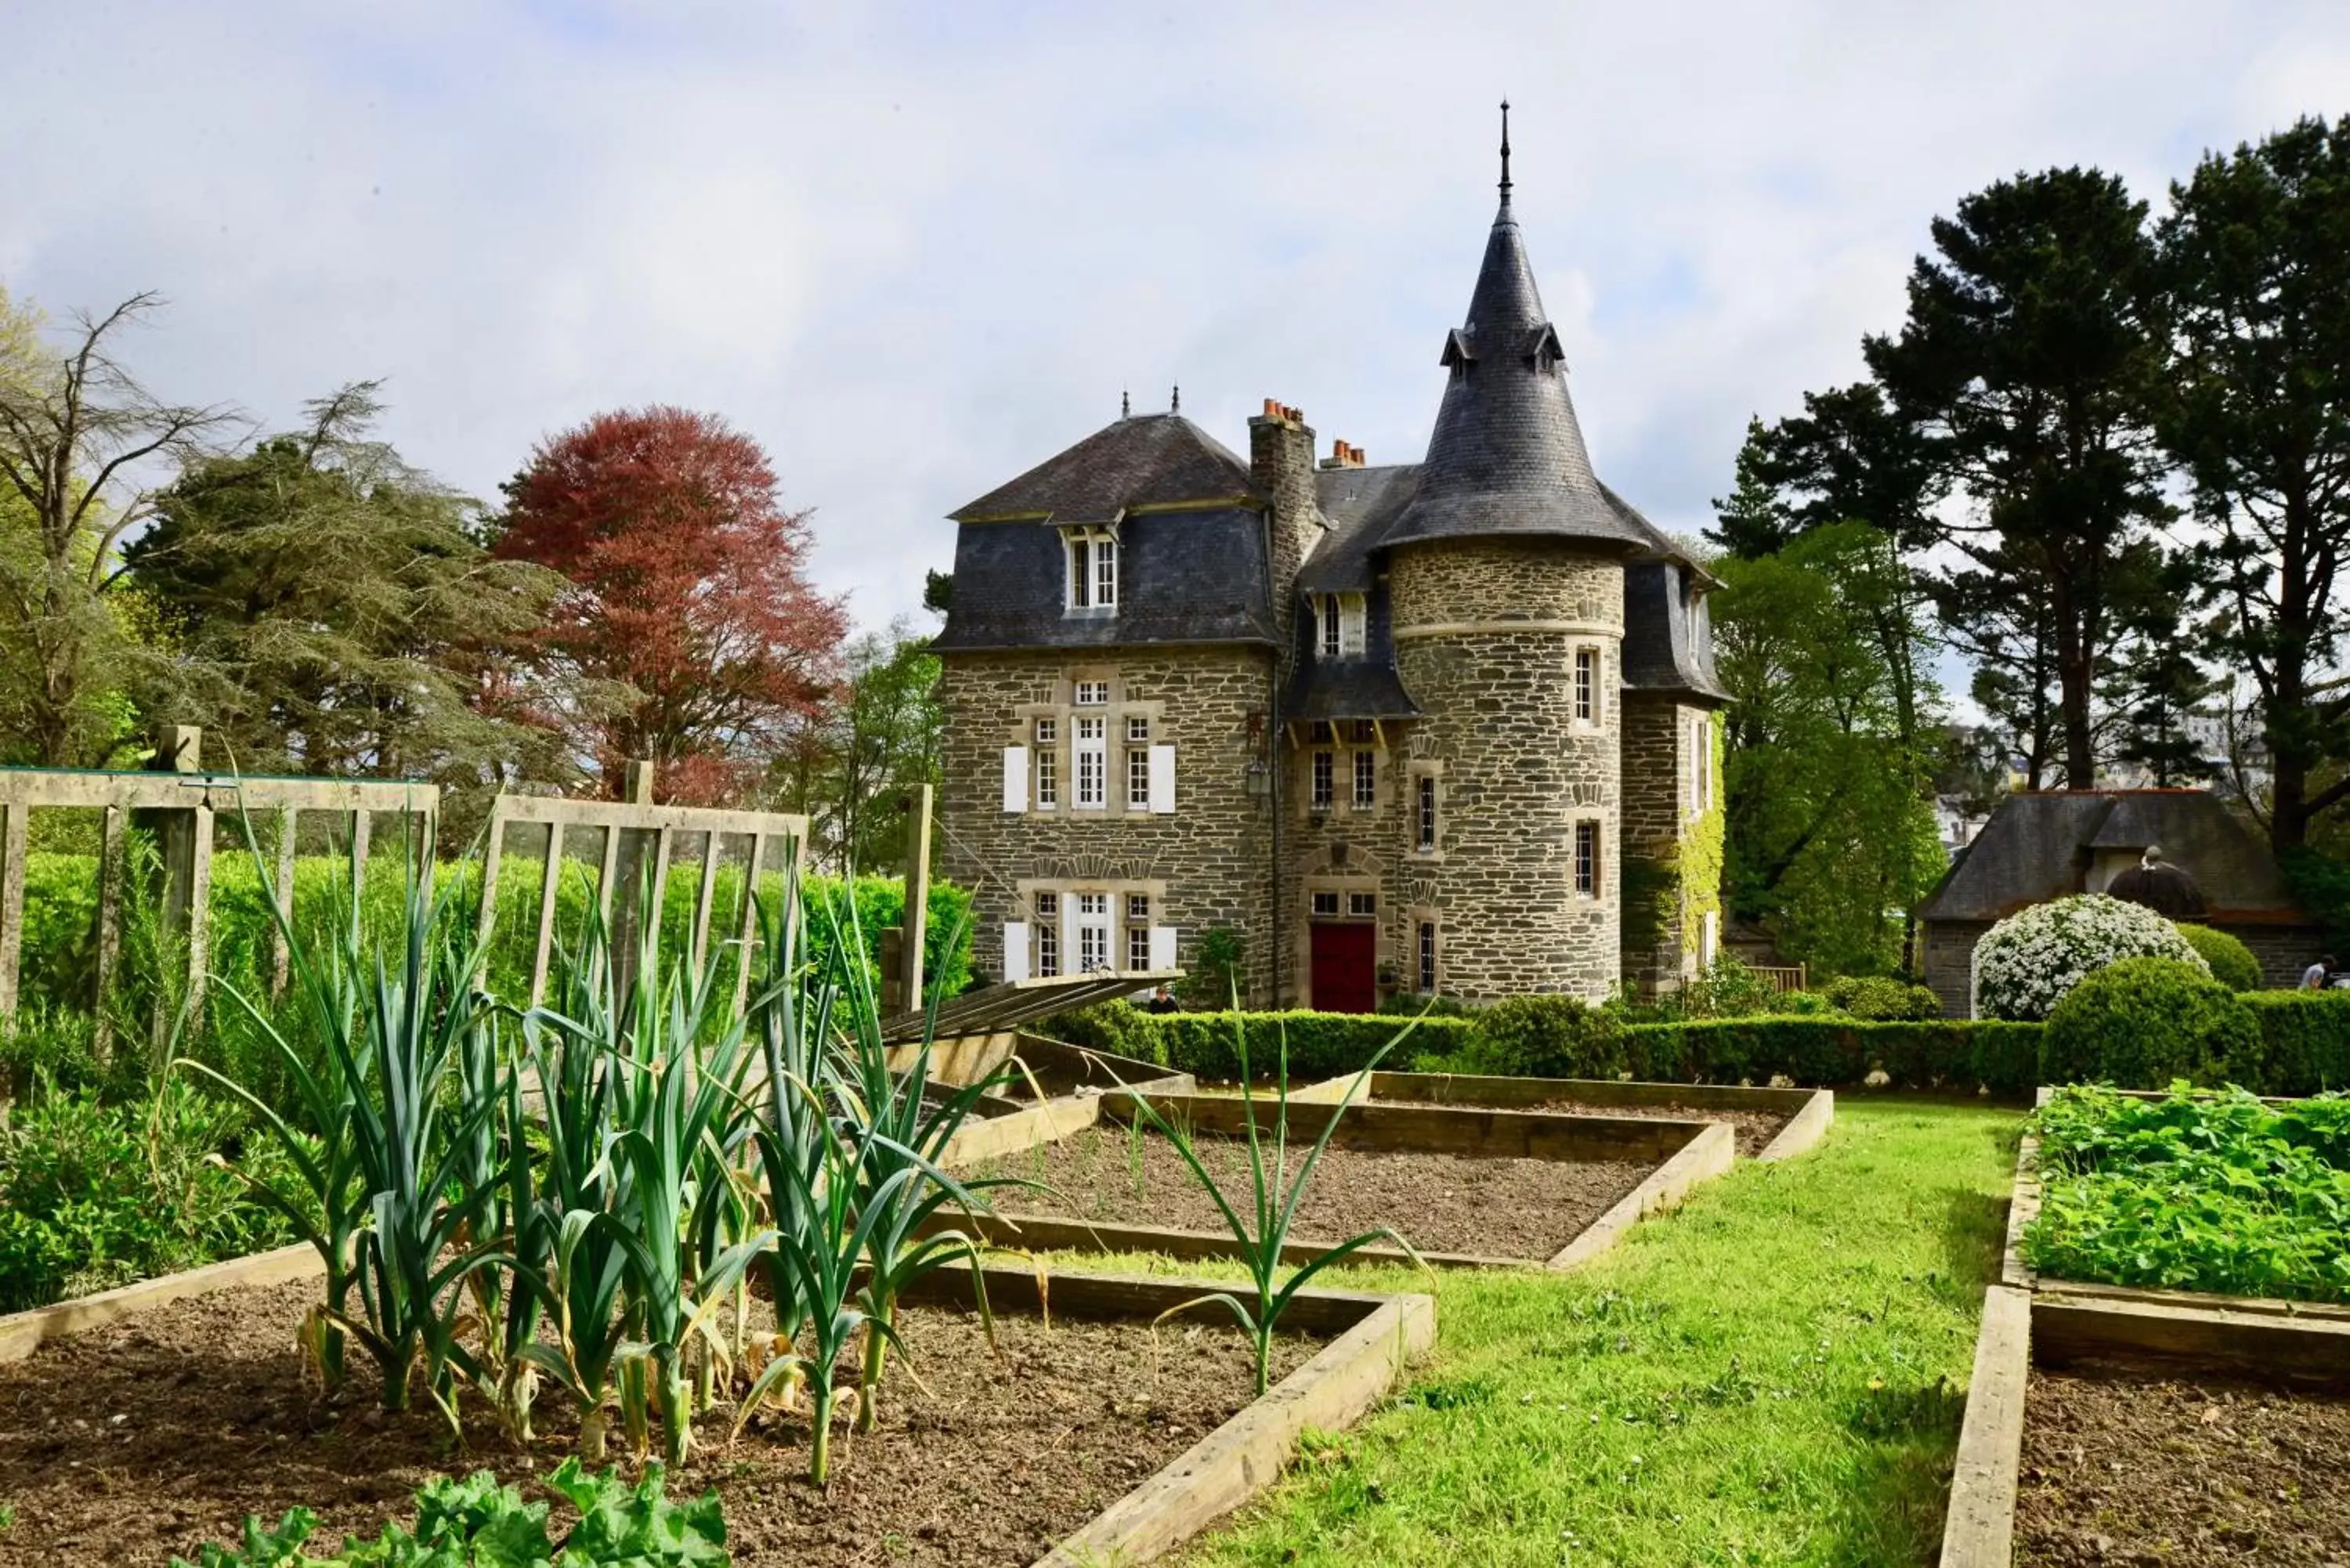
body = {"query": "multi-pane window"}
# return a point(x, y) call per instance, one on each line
point(1048, 933)
point(1367, 781)
point(1586, 859)
point(1092, 693)
point(1362, 903)
point(1137, 730)
point(1321, 733)
point(1427, 957)
point(1325, 781)
point(1364, 732)
point(1340, 618)
point(1093, 569)
point(1048, 779)
point(1586, 685)
point(1424, 829)
point(1138, 780)
point(1325, 903)
point(1092, 932)
point(1137, 947)
point(1137, 909)
point(1700, 765)
point(1092, 754)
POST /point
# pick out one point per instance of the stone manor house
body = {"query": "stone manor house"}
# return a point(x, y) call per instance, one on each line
point(1434, 727)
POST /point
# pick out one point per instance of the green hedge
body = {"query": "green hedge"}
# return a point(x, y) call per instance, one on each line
point(61, 917)
point(1943, 1053)
point(2143, 1022)
point(1206, 1044)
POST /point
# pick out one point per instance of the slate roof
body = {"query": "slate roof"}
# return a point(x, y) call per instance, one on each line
point(1507, 457)
point(2037, 846)
point(1185, 578)
point(1660, 645)
point(1358, 504)
point(1147, 460)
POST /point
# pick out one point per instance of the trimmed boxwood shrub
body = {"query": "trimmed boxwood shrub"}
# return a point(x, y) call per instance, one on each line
point(2025, 964)
point(1949, 1053)
point(2233, 964)
point(1320, 1044)
point(1880, 999)
point(2306, 1036)
point(2143, 1022)
point(1545, 1037)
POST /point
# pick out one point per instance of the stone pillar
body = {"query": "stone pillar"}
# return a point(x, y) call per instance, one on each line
point(1486, 632)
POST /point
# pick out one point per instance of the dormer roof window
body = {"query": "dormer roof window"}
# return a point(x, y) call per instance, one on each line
point(1338, 625)
point(1091, 553)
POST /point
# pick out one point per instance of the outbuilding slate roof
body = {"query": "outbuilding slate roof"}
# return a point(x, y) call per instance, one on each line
point(2037, 846)
point(1146, 460)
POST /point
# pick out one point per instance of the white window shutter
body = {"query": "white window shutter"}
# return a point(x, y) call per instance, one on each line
point(1163, 779)
point(1015, 778)
point(1015, 950)
point(1163, 947)
point(1072, 954)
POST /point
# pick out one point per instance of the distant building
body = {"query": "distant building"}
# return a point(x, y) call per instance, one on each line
point(2047, 844)
point(1434, 726)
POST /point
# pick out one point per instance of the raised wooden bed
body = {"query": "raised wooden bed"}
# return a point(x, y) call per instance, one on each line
point(2022, 1329)
point(1808, 1113)
point(1687, 1154)
point(1373, 1338)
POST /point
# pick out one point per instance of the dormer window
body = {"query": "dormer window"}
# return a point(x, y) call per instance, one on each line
point(1092, 568)
point(1339, 619)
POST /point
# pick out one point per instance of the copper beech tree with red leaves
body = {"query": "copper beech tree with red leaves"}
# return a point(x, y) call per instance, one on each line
point(691, 633)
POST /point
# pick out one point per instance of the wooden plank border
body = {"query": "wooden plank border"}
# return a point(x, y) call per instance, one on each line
point(1810, 1112)
point(22, 1333)
point(1979, 1531)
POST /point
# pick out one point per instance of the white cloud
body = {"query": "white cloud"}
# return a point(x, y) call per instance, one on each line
point(916, 249)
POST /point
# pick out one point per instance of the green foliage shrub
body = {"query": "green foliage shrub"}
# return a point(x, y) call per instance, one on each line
point(2306, 1040)
point(59, 961)
point(2200, 1192)
point(1321, 1045)
point(95, 1195)
point(1728, 989)
point(2233, 964)
point(2142, 1023)
point(477, 1523)
point(2025, 963)
point(1545, 1037)
point(1880, 999)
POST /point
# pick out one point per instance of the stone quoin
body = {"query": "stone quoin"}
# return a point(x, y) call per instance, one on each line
point(1444, 726)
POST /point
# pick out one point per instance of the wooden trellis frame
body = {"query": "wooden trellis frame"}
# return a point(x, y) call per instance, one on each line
point(182, 801)
point(625, 826)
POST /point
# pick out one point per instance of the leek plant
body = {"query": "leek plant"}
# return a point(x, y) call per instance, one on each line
point(902, 1123)
point(674, 1142)
point(1274, 1197)
point(387, 1169)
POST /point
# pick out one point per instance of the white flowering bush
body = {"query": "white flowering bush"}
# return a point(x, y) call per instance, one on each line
point(2025, 964)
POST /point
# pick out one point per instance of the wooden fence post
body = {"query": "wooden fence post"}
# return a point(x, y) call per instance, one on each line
point(184, 839)
point(280, 953)
point(109, 929)
point(915, 924)
point(12, 841)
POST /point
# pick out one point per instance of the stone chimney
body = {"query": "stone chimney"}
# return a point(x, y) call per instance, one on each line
point(1281, 465)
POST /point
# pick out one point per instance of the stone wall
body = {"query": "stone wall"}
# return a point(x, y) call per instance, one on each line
point(1485, 631)
point(1212, 853)
point(1658, 765)
point(1950, 960)
point(2283, 950)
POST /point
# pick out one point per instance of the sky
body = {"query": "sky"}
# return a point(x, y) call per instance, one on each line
point(914, 250)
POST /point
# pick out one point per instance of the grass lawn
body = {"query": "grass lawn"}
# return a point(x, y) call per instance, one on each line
point(1775, 1374)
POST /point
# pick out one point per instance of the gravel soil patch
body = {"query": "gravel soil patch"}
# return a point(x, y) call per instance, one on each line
point(131, 1443)
point(2124, 1468)
point(1439, 1202)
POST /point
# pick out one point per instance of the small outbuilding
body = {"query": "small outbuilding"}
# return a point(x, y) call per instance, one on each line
point(2180, 851)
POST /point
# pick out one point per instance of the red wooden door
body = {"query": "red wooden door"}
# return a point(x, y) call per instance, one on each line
point(1346, 975)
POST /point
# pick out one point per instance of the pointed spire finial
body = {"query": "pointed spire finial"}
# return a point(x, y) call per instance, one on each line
point(1124, 404)
point(1505, 150)
point(1175, 405)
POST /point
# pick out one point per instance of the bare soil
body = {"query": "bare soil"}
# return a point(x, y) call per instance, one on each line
point(2124, 1468)
point(132, 1443)
point(1753, 1129)
point(1439, 1202)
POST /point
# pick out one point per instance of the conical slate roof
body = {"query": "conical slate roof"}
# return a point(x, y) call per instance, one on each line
point(1507, 456)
